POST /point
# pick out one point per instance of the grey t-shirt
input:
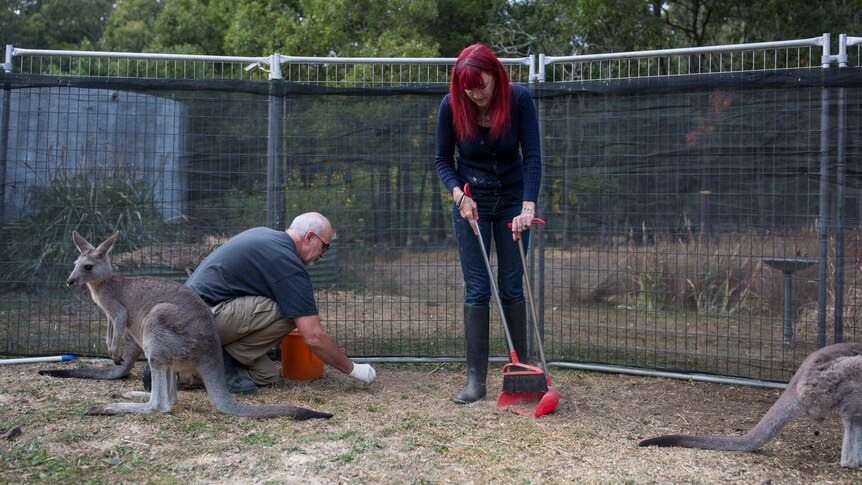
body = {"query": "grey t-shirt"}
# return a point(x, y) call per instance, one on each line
point(256, 262)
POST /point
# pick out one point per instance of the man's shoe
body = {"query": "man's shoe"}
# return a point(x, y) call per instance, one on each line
point(236, 383)
point(274, 353)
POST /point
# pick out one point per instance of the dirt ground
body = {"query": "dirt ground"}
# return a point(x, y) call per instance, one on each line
point(405, 429)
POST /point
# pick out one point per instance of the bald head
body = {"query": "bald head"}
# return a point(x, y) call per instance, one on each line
point(312, 234)
point(310, 222)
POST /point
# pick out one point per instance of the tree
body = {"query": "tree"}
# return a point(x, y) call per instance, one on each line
point(459, 23)
point(52, 24)
point(349, 28)
point(699, 22)
point(797, 19)
point(14, 22)
point(262, 28)
point(130, 27)
point(570, 27)
point(716, 22)
point(296, 27)
point(192, 26)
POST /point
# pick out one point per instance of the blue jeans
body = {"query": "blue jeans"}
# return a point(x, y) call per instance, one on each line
point(495, 215)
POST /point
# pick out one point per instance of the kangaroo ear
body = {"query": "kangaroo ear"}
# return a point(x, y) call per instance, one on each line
point(107, 244)
point(83, 245)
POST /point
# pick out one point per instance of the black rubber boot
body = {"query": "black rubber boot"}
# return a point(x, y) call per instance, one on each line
point(516, 319)
point(236, 383)
point(476, 351)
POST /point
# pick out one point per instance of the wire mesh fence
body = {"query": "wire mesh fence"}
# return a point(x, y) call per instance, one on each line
point(682, 198)
point(670, 213)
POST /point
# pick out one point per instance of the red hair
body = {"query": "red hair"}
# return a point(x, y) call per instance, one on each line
point(467, 74)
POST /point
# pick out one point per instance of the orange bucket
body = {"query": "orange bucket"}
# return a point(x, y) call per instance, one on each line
point(298, 362)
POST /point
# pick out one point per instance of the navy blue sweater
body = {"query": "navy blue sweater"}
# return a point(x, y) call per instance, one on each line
point(511, 165)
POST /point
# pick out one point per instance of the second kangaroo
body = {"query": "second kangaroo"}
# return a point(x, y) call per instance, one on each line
point(828, 381)
point(174, 328)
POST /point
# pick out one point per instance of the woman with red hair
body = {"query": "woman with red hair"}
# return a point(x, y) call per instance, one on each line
point(492, 124)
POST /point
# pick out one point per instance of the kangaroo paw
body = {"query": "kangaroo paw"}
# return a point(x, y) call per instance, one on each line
point(127, 408)
point(99, 411)
point(138, 395)
point(303, 414)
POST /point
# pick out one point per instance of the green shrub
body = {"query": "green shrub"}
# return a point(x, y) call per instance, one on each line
point(39, 246)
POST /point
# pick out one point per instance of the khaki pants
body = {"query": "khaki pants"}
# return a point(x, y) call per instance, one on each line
point(249, 327)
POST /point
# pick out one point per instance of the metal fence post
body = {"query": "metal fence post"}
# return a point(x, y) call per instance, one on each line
point(7, 64)
point(275, 196)
point(4, 147)
point(840, 153)
point(823, 229)
point(537, 257)
point(839, 218)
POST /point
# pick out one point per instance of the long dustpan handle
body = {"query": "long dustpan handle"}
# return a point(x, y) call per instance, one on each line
point(535, 315)
point(475, 224)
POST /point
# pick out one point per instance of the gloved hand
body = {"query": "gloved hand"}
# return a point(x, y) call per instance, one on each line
point(363, 372)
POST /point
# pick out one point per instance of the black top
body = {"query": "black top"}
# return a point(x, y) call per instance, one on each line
point(511, 165)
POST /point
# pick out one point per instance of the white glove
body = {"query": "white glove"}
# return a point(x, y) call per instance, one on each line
point(364, 373)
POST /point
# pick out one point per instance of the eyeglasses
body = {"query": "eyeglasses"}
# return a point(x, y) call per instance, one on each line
point(325, 244)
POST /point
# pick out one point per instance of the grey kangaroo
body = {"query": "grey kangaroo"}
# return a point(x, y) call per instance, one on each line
point(828, 381)
point(170, 325)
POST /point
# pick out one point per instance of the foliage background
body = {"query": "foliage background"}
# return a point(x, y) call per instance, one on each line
point(429, 28)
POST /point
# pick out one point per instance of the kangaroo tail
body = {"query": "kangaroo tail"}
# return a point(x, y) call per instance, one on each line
point(785, 408)
point(113, 372)
point(220, 397)
point(107, 373)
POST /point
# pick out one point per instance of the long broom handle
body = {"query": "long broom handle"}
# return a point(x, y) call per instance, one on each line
point(528, 286)
point(475, 225)
point(494, 288)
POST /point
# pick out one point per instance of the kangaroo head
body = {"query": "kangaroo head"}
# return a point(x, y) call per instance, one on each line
point(93, 264)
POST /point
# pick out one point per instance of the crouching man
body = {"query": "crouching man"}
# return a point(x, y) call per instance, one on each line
point(259, 290)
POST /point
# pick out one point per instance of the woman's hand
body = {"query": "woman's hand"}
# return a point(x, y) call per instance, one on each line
point(466, 207)
point(522, 221)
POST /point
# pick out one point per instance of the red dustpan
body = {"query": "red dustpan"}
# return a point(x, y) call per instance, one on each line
point(522, 402)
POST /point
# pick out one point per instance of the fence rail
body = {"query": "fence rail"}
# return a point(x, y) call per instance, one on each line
point(761, 56)
point(329, 71)
point(850, 51)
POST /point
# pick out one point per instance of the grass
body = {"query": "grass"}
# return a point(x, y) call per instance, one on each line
point(402, 429)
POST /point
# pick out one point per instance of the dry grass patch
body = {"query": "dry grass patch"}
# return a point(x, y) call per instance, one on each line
point(405, 429)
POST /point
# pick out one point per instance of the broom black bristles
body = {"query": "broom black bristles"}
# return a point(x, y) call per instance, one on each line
point(526, 382)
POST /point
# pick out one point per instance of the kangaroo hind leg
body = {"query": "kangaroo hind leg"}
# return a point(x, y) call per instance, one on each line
point(851, 445)
point(162, 398)
point(145, 396)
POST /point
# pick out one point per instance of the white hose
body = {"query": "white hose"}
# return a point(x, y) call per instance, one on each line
point(28, 360)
